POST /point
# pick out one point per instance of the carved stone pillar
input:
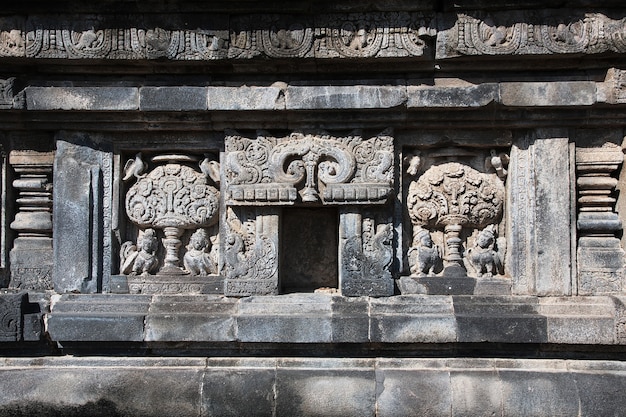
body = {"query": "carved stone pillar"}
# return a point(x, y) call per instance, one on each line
point(31, 256)
point(600, 257)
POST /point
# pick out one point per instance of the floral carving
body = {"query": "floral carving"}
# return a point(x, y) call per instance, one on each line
point(323, 167)
point(454, 196)
point(171, 197)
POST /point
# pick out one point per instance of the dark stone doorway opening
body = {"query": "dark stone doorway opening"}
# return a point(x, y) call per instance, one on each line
point(309, 249)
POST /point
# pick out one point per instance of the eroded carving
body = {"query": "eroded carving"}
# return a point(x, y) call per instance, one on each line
point(308, 168)
point(454, 196)
point(143, 261)
point(519, 33)
point(424, 255)
point(197, 260)
point(483, 256)
point(172, 197)
point(250, 252)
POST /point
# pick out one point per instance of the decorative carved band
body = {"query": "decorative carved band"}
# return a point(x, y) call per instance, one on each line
point(275, 36)
point(523, 34)
point(333, 170)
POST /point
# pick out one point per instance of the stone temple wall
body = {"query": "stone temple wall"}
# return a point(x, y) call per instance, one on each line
point(312, 208)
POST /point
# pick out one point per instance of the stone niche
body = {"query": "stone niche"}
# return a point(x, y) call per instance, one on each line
point(324, 198)
point(168, 229)
point(454, 211)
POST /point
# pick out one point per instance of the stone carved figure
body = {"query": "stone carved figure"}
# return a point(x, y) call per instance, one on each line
point(143, 261)
point(197, 260)
point(424, 255)
point(455, 196)
point(134, 167)
point(483, 256)
point(172, 197)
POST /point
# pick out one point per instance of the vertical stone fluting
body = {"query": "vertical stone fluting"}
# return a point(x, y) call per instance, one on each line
point(600, 257)
point(31, 255)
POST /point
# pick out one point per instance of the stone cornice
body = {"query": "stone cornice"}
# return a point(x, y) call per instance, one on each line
point(304, 35)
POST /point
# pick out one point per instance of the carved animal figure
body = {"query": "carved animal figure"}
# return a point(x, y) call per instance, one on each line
point(87, 39)
point(381, 243)
point(498, 36)
point(210, 168)
point(482, 256)
point(414, 163)
point(424, 256)
point(497, 162)
point(360, 40)
point(134, 167)
point(197, 260)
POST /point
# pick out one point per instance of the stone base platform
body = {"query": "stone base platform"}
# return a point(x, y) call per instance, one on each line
point(454, 286)
point(267, 386)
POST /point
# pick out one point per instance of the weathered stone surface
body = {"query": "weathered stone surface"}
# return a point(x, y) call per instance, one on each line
point(473, 96)
point(246, 98)
point(101, 318)
point(407, 389)
point(572, 93)
point(239, 387)
point(82, 98)
point(328, 387)
point(344, 97)
point(413, 319)
point(296, 318)
point(172, 98)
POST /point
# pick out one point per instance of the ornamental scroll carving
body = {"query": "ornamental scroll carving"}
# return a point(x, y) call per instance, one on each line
point(308, 168)
point(171, 197)
point(518, 33)
point(460, 200)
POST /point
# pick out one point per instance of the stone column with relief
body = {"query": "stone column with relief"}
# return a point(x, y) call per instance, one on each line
point(600, 257)
point(31, 255)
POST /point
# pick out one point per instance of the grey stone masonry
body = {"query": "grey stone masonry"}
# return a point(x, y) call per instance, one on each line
point(218, 386)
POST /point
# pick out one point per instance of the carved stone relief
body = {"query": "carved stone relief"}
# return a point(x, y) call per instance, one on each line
point(250, 251)
point(455, 212)
point(172, 201)
point(391, 34)
point(308, 168)
point(528, 34)
point(366, 252)
point(31, 256)
point(601, 259)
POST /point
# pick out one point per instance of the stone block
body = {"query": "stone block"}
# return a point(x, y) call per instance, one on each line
point(341, 388)
point(475, 392)
point(529, 393)
point(560, 93)
point(408, 391)
point(242, 389)
point(172, 98)
point(89, 318)
point(102, 387)
point(291, 318)
point(412, 319)
point(82, 98)
point(350, 320)
point(344, 97)
point(466, 96)
point(191, 318)
point(246, 98)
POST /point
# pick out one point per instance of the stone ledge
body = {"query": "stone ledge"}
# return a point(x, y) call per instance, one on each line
point(281, 96)
point(322, 318)
point(82, 98)
point(310, 386)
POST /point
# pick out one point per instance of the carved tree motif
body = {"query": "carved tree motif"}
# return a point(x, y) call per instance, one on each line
point(455, 196)
point(172, 197)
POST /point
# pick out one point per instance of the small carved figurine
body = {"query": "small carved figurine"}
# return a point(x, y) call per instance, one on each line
point(482, 256)
point(197, 260)
point(134, 167)
point(424, 255)
point(145, 260)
